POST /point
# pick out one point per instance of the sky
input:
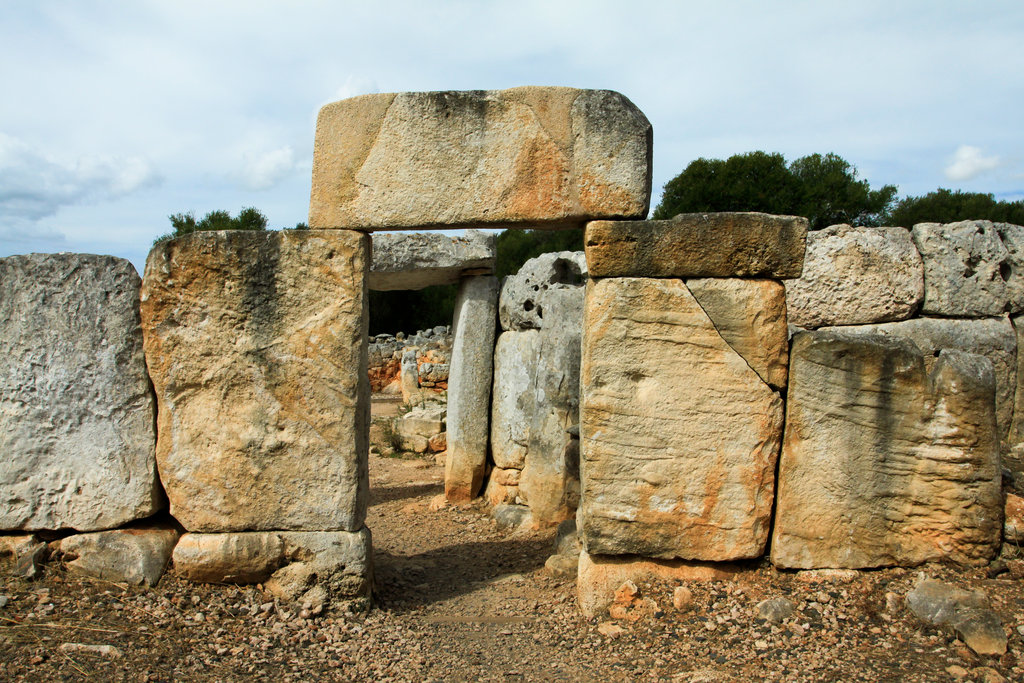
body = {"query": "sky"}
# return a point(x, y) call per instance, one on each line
point(114, 115)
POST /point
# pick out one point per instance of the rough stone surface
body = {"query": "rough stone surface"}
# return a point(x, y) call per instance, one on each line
point(698, 245)
point(469, 387)
point(751, 316)
point(1014, 455)
point(679, 436)
point(982, 631)
point(311, 566)
point(886, 461)
point(856, 275)
point(962, 263)
point(600, 576)
point(426, 422)
point(256, 345)
point(1013, 519)
point(418, 260)
point(775, 610)
point(1012, 237)
point(937, 603)
point(515, 357)
point(520, 306)
point(550, 479)
point(134, 556)
point(993, 338)
point(76, 410)
point(532, 155)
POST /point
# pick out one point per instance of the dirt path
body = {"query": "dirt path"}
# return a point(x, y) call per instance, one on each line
point(460, 600)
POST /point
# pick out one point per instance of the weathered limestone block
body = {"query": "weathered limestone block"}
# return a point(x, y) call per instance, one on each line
point(962, 262)
point(425, 422)
point(520, 306)
point(886, 461)
point(1012, 237)
point(76, 410)
point(539, 156)
point(469, 387)
point(993, 338)
point(134, 556)
point(551, 468)
point(751, 316)
point(599, 576)
point(410, 377)
point(515, 357)
point(856, 275)
point(698, 245)
point(418, 260)
point(1013, 519)
point(679, 435)
point(312, 566)
point(256, 345)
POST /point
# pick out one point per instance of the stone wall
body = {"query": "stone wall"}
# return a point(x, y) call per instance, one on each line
point(432, 351)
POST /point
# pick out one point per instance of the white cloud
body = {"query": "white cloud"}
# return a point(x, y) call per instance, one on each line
point(34, 184)
point(969, 163)
point(266, 170)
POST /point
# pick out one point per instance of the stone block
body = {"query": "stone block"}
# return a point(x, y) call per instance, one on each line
point(76, 409)
point(599, 576)
point(856, 275)
point(469, 387)
point(540, 157)
point(698, 245)
point(134, 556)
point(414, 261)
point(520, 306)
point(887, 460)
point(321, 567)
point(962, 269)
point(751, 317)
point(1012, 271)
point(679, 435)
point(993, 338)
point(255, 342)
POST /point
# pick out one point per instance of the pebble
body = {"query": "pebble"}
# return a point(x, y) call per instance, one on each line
point(3, 601)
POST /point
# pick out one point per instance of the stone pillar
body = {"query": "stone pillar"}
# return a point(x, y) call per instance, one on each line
point(76, 409)
point(469, 386)
point(680, 418)
point(256, 344)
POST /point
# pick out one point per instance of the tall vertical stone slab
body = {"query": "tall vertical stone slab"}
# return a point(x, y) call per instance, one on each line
point(255, 342)
point(679, 435)
point(545, 483)
point(890, 457)
point(469, 386)
point(515, 364)
point(76, 410)
point(529, 157)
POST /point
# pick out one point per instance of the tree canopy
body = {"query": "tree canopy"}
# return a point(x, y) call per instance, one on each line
point(947, 206)
point(249, 218)
point(823, 188)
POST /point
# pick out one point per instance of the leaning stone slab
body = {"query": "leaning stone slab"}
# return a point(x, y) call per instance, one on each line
point(993, 338)
point(520, 306)
point(418, 260)
point(320, 567)
point(886, 461)
point(679, 435)
point(751, 316)
point(76, 410)
point(856, 275)
point(962, 268)
point(547, 157)
point(136, 556)
point(515, 359)
point(698, 245)
point(469, 387)
point(599, 576)
point(256, 345)
point(550, 481)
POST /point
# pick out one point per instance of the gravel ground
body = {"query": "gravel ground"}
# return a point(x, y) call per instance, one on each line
point(459, 600)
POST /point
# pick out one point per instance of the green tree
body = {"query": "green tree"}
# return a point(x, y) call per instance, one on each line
point(516, 247)
point(823, 188)
point(248, 218)
point(947, 206)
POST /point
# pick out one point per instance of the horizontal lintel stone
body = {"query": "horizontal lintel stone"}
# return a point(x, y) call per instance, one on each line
point(747, 244)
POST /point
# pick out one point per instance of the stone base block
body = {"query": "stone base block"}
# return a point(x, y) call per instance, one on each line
point(135, 556)
point(316, 567)
point(600, 576)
